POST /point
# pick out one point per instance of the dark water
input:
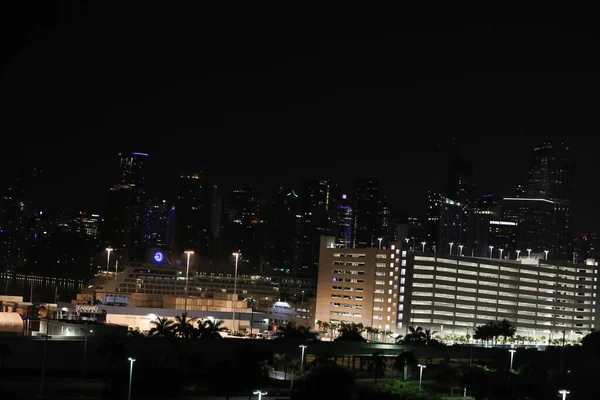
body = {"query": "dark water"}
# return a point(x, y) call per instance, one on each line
point(39, 288)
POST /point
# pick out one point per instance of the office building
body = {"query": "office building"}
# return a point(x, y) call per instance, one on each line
point(366, 212)
point(361, 285)
point(447, 225)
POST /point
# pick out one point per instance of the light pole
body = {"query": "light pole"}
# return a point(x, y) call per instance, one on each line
point(518, 254)
point(131, 361)
point(421, 366)
point(302, 346)
point(187, 277)
point(501, 250)
point(116, 271)
point(85, 336)
point(237, 257)
point(423, 244)
point(512, 356)
point(108, 249)
point(460, 247)
point(260, 394)
point(528, 253)
point(46, 337)
point(546, 251)
point(491, 249)
point(380, 239)
point(564, 394)
point(451, 244)
point(574, 255)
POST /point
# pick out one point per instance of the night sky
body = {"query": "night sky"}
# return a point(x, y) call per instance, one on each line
point(256, 96)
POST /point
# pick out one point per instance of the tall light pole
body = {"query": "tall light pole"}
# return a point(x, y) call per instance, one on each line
point(423, 244)
point(380, 239)
point(546, 251)
point(518, 254)
point(302, 346)
point(421, 366)
point(574, 255)
point(131, 361)
point(451, 244)
point(260, 394)
point(564, 394)
point(491, 249)
point(116, 271)
point(85, 336)
point(460, 247)
point(512, 356)
point(108, 249)
point(501, 250)
point(528, 253)
point(237, 257)
point(187, 278)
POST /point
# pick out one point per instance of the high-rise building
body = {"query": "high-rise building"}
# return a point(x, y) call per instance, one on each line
point(319, 212)
point(193, 208)
point(483, 210)
point(447, 225)
point(366, 212)
point(361, 285)
point(155, 223)
point(460, 181)
point(344, 231)
point(86, 224)
point(551, 177)
point(535, 223)
point(126, 206)
point(285, 223)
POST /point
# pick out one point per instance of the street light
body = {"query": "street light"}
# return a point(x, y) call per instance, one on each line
point(108, 249)
point(260, 394)
point(421, 366)
point(546, 251)
point(518, 254)
point(501, 250)
point(380, 239)
point(460, 247)
point(187, 277)
point(491, 249)
point(302, 346)
point(423, 244)
point(237, 257)
point(512, 356)
point(564, 394)
point(131, 361)
point(451, 244)
point(528, 253)
point(85, 336)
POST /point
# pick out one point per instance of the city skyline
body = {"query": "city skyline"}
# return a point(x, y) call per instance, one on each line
point(161, 180)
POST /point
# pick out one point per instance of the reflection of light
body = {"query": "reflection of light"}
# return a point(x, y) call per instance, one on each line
point(152, 317)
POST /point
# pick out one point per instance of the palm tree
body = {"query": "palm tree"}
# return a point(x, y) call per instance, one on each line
point(506, 329)
point(415, 335)
point(162, 327)
point(210, 329)
point(135, 332)
point(377, 365)
point(402, 362)
point(429, 336)
point(483, 333)
point(282, 360)
point(319, 324)
point(183, 326)
point(399, 339)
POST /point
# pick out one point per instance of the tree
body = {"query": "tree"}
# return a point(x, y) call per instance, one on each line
point(210, 329)
point(293, 331)
point(483, 333)
point(506, 329)
point(183, 326)
point(250, 302)
point(326, 382)
point(351, 333)
point(398, 390)
point(591, 344)
point(377, 365)
point(415, 335)
point(131, 332)
point(428, 335)
point(282, 361)
point(161, 327)
point(403, 361)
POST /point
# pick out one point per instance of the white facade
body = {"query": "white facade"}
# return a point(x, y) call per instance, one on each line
point(453, 295)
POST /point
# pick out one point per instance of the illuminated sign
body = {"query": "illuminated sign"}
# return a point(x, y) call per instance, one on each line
point(158, 256)
point(82, 308)
point(503, 223)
